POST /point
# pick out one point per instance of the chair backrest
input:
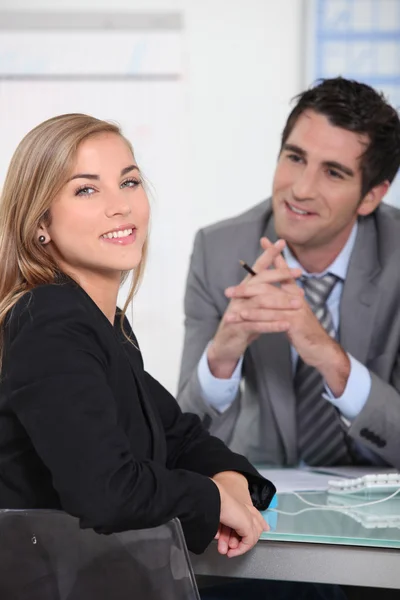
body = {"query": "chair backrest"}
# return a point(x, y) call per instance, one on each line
point(44, 555)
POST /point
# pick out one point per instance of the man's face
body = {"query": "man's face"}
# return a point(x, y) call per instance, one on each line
point(317, 183)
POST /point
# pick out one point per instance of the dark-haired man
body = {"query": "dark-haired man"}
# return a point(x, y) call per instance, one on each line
point(307, 370)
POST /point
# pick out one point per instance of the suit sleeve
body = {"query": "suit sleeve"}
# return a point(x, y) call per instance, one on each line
point(201, 322)
point(58, 389)
point(377, 426)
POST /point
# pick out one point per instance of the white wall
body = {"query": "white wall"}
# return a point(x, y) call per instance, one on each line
point(242, 66)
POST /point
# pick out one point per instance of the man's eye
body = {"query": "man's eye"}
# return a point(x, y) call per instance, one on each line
point(335, 174)
point(85, 190)
point(294, 158)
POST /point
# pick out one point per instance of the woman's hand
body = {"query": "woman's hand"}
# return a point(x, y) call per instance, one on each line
point(236, 484)
point(240, 523)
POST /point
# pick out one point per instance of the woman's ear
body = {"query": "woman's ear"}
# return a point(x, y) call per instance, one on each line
point(372, 200)
point(43, 235)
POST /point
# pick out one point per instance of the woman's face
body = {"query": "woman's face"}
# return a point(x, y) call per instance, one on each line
point(99, 220)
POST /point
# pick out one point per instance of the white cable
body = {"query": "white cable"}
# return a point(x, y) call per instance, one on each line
point(325, 507)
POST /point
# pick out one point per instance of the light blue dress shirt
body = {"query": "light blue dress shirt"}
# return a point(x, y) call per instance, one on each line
point(220, 393)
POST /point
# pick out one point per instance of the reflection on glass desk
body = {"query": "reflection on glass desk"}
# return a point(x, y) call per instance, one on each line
point(353, 546)
point(348, 523)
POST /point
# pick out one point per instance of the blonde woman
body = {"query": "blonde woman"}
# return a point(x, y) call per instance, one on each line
point(83, 427)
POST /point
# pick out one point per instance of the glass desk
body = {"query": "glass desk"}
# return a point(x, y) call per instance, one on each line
point(350, 546)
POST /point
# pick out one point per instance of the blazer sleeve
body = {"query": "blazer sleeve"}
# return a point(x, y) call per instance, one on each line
point(202, 319)
point(191, 447)
point(57, 387)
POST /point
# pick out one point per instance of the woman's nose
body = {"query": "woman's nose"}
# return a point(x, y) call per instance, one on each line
point(118, 205)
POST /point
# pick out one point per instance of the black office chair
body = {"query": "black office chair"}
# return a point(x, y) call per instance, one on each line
point(44, 555)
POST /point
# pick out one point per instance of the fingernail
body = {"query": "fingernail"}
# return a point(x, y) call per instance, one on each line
point(229, 292)
point(223, 547)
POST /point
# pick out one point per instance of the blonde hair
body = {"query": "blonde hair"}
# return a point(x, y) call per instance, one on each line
point(39, 168)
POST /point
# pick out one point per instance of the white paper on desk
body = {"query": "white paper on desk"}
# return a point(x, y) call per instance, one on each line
point(296, 480)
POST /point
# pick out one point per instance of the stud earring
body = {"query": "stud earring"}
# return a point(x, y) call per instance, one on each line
point(42, 239)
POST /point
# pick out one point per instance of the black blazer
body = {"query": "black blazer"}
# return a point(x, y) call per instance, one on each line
point(85, 429)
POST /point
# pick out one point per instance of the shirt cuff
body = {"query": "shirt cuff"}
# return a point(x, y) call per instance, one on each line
point(356, 392)
point(218, 393)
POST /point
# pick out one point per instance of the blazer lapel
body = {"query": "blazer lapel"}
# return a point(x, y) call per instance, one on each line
point(158, 446)
point(116, 337)
point(360, 295)
point(272, 353)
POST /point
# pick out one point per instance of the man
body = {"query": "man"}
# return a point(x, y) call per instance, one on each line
point(300, 362)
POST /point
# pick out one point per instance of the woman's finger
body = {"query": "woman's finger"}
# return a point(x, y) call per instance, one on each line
point(234, 540)
point(216, 536)
point(223, 540)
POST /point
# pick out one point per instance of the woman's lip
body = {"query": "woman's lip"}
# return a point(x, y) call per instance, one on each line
point(122, 241)
point(120, 228)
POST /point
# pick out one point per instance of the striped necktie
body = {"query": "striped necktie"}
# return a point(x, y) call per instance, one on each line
point(321, 435)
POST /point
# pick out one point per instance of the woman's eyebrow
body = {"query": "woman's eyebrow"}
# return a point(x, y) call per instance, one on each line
point(97, 177)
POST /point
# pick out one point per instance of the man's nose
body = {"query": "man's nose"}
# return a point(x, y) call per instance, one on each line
point(304, 187)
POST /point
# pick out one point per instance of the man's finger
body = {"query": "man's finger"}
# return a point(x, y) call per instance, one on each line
point(257, 327)
point(262, 315)
point(280, 263)
point(262, 295)
point(270, 276)
point(266, 259)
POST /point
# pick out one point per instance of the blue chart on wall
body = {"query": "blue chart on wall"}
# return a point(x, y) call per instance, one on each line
point(358, 39)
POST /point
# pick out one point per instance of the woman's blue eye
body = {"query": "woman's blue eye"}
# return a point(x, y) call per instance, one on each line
point(86, 190)
point(130, 183)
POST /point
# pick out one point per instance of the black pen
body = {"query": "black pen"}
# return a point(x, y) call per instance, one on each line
point(247, 268)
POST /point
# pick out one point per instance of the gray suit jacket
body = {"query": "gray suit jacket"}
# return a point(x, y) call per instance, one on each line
point(261, 422)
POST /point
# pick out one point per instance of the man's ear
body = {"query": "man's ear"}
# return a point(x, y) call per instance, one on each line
point(372, 200)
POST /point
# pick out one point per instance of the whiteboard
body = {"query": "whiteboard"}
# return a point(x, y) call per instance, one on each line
point(152, 114)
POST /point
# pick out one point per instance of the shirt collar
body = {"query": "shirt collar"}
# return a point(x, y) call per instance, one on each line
point(338, 267)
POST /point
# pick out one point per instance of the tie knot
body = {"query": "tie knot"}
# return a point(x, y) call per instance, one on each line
point(317, 289)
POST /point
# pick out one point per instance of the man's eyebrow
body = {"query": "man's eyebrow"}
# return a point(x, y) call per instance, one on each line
point(97, 177)
point(331, 164)
point(294, 148)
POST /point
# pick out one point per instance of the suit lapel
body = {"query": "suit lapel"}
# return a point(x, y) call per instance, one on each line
point(272, 353)
point(359, 301)
point(358, 307)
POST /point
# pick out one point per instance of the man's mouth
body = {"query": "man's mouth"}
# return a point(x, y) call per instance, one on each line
point(298, 211)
